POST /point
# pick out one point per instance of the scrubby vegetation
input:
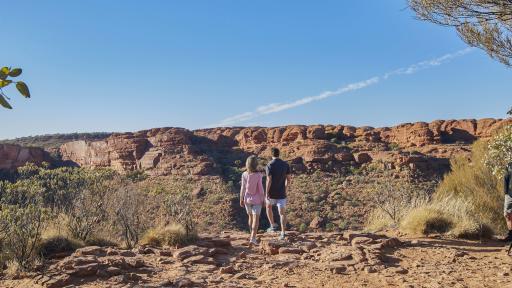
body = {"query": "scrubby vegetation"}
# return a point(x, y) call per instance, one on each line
point(468, 203)
point(44, 211)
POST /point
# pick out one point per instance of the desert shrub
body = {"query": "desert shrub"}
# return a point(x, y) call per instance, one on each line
point(178, 208)
point(472, 183)
point(57, 244)
point(172, 235)
point(394, 146)
point(343, 225)
point(499, 151)
point(394, 199)
point(23, 226)
point(330, 226)
point(214, 207)
point(127, 214)
point(86, 212)
point(136, 176)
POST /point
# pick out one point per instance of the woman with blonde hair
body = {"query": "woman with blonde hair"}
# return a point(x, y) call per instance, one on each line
point(252, 195)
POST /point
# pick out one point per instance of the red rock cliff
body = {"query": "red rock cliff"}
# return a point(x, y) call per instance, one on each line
point(164, 151)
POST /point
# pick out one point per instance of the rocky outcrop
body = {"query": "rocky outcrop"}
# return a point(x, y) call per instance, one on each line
point(14, 156)
point(165, 151)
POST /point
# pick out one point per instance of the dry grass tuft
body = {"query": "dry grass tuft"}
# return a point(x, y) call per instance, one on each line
point(57, 244)
point(426, 220)
point(172, 235)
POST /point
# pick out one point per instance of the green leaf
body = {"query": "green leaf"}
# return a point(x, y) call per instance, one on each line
point(5, 70)
point(15, 72)
point(23, 88)
point(4, 102)
point(4, 83)
point(3, 75)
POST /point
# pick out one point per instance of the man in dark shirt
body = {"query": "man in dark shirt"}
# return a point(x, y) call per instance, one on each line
point(278, 179)
point(507, 189)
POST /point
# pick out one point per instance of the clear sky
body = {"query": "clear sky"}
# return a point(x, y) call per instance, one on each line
point(125, 65)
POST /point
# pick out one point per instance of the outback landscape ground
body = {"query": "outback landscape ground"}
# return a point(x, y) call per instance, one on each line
point(337, 170)
point(305, 260)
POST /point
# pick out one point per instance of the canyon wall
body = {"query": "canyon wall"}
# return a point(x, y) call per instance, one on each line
point(164, 151)
point(13, 156)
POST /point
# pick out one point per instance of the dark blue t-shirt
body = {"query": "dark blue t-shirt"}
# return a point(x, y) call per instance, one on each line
point(278, 169)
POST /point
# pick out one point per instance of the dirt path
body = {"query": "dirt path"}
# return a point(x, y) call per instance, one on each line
point(305, 260)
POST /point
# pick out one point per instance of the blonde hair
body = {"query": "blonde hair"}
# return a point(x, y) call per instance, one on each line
point(251, 164)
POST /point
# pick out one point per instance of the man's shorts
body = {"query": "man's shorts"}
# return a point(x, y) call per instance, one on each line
point(280, 203)
point(253, 209)
point(507, 207)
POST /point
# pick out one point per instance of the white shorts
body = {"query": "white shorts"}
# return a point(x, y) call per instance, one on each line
point(253, 209)
point(280, 203)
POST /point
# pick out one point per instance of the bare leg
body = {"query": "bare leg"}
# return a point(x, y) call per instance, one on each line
point(250, 221)
point(255, 225)
point(282, 215)
point(508, 219)
point(270, 215)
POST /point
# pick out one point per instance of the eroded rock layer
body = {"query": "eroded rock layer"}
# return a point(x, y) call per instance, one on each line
point(14, 156)
point(165, 151)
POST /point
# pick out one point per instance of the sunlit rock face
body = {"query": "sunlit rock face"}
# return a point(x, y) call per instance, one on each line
point(14, 156)
point(166, 151)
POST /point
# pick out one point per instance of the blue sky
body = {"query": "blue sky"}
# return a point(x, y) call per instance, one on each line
point(123, 65)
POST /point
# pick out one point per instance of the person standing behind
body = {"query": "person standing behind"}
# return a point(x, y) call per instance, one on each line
point(507, 188)
point(252, 196)
point(278, 179)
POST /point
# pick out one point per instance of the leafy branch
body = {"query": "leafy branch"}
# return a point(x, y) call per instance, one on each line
point(5, 74)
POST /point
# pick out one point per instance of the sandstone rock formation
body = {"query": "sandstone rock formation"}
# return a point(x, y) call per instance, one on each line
point(165, 151)
point(13, 156)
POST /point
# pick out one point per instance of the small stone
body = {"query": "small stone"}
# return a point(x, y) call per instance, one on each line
point(166, 283)
point(369, 269)
point(127, 253)
point(85, 270)
point(227, 270)
point(337, 269)
point(113, 271)
point(91, 250)
point(290, 250)
point(166, 253)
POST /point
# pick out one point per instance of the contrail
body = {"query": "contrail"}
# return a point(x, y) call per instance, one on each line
point(277, 107)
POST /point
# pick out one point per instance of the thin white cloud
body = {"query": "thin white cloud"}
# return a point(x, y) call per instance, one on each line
point(277, 107)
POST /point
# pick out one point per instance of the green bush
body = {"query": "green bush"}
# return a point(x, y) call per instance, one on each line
point(22, 227)
point(499, 151)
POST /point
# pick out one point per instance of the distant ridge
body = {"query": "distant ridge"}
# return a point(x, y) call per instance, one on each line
point(54, 141)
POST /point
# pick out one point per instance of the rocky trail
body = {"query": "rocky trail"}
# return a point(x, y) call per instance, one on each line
point(349, 259)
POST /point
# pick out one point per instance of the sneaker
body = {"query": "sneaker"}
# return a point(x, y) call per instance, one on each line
point(282, 236)
point(272, 228)
point(507, 239)
point(254, 241)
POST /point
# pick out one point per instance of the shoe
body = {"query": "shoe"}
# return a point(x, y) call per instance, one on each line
point(282, 236)
point(507, 239)
point(272, 229)
point(254, 241)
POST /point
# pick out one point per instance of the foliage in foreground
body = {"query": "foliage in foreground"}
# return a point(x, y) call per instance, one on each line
point(467, 203)
point(6, 78)
point(83, 207)
point(485, 24)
